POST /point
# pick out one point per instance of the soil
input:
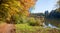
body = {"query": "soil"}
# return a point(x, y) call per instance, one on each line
point(7, 28)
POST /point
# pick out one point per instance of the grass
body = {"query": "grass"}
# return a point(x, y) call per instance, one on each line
point(25, 28)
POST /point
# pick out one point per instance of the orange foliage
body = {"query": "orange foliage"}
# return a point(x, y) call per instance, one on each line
point(27, 4)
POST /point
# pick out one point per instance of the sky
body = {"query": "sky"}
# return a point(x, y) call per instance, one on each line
point(42, 5)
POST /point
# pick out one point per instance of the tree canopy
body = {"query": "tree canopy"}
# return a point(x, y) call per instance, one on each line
point(8, 8)
point(58, 6)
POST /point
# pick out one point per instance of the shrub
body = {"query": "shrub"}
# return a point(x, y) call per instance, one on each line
point(33, 22)
point(18, 19)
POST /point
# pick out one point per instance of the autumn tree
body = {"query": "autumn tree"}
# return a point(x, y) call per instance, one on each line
point(9, 8)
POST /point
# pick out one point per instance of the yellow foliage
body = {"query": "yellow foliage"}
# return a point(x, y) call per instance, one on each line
point(12, 7)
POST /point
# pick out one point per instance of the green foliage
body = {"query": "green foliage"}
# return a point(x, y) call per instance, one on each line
point(34, 22)
point(31, 21)
point(25, 28)
point(3, 12)
point(58, 6)
point(18, 19)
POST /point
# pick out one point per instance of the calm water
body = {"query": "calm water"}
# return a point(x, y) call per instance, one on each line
point(49, 25)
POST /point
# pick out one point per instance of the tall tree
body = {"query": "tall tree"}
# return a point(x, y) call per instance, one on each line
point(58, 5)
point(8, 8)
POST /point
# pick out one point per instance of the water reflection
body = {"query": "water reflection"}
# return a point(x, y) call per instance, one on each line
point(49, 25)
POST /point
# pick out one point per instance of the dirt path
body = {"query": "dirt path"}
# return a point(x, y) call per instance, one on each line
point(7, 28)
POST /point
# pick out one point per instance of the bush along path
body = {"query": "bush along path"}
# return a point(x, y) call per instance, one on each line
point(7, 28)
